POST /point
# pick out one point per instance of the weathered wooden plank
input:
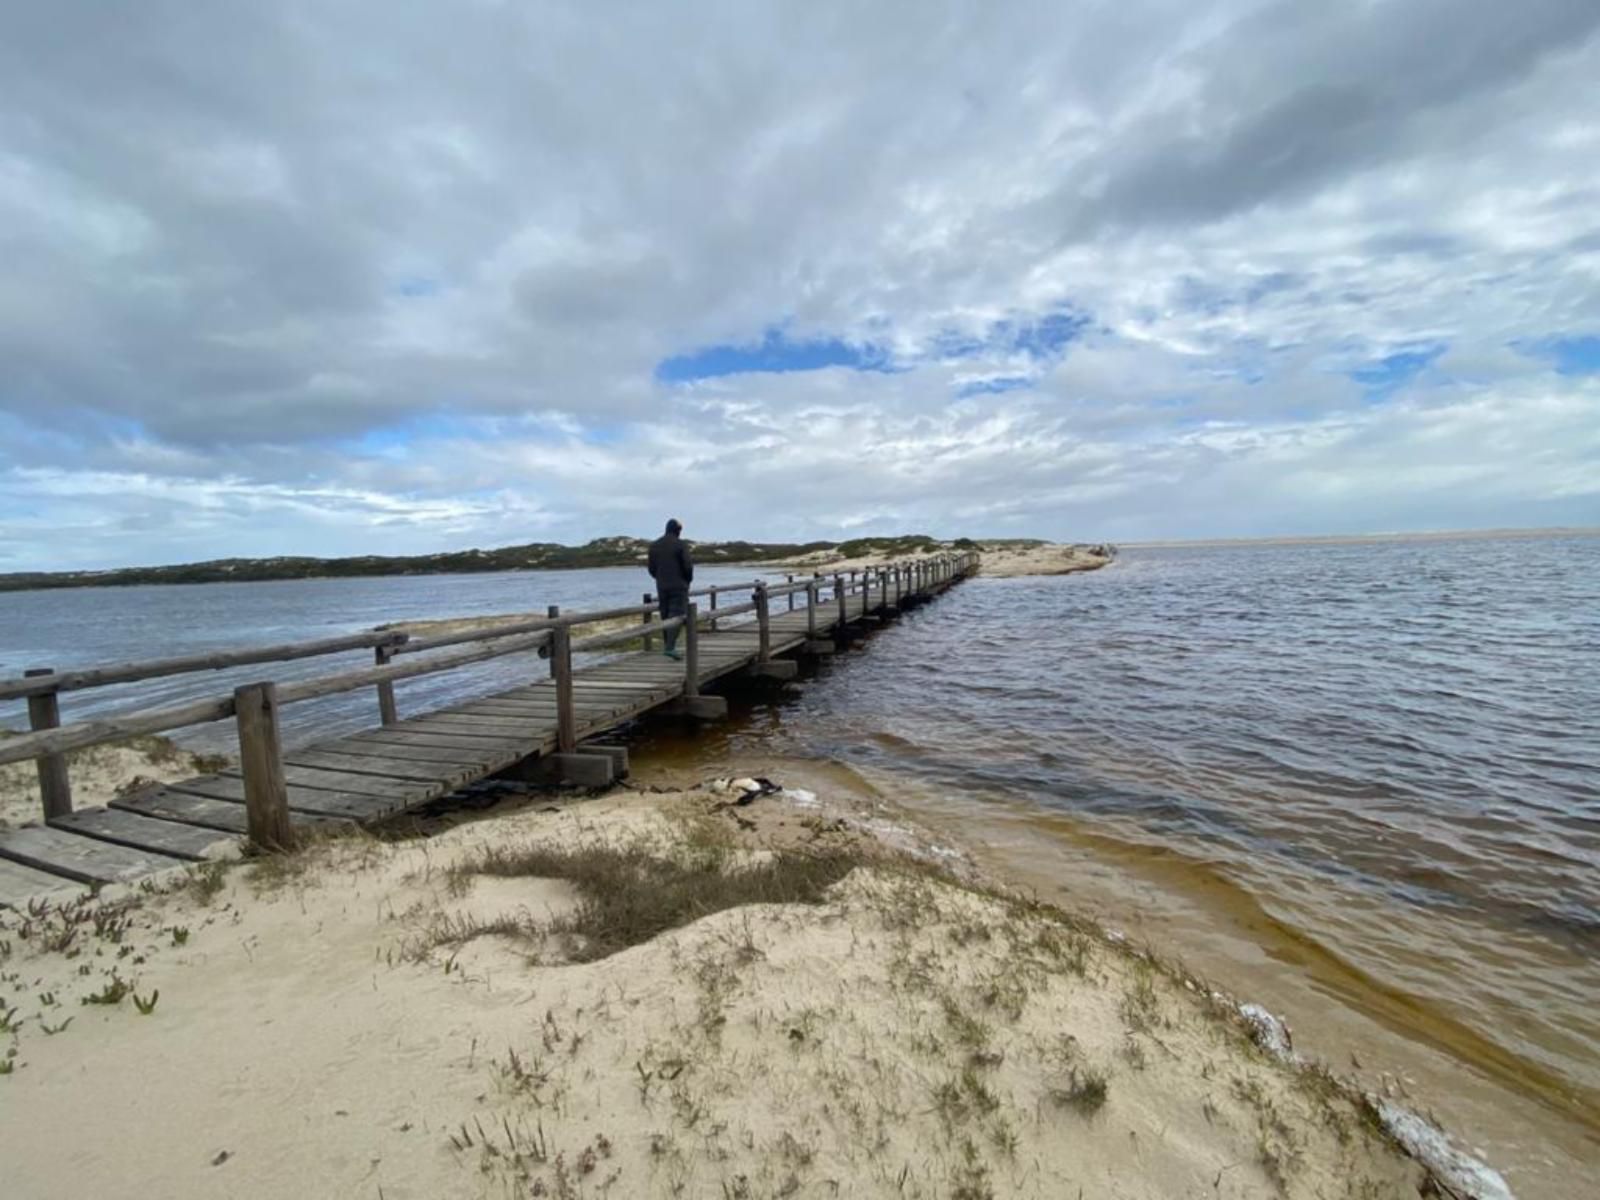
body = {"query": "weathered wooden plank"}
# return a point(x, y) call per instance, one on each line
point(225, 816)
point(67, 681)
point(174, 838)
point(519, 706)
point(266, 796)
point(113, 729)
point(351, 783)
point(382, 767)
point(359, 747)
point(19, 884)
point(411, 735)
point(497, 728)
point(354, 805)
point(84, 859)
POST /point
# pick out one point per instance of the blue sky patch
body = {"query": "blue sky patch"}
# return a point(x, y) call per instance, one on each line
point(776, 353)
point(1571, 355)
point(1039, 338)
point(1389, 374)
point(984, 387)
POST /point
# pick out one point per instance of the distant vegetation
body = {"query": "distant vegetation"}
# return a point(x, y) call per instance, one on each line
point(535, 556)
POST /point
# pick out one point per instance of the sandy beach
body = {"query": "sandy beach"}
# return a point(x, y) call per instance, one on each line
point(1006, 559)
point(658, 991)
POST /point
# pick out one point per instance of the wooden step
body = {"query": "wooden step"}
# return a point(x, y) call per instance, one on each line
point(84, 859)
point(173, 838)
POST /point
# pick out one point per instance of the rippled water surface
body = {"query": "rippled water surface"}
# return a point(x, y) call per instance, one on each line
point(1393, 748)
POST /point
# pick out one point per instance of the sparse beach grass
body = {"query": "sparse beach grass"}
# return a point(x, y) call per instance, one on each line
point(639, 995)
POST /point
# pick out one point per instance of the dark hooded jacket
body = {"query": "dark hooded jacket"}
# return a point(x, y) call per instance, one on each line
point(670, 564)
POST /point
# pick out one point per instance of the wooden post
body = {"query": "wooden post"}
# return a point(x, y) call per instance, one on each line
point(55, 789)
point(691, 650)
point(713, 608)
point(648, 599)
point(266, 794)
point(561, 664)
point(790, 579)
point(387, 712)
point(763, 624)
point(553, 611)
point(811, 609)
point(838, 594)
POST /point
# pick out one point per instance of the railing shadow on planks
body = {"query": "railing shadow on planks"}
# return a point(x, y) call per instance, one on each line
point(748, 634)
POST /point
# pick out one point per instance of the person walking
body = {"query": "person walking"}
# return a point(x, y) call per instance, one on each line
point(673, 570)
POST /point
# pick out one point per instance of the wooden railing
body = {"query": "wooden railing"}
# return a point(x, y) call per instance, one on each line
point(254, 707)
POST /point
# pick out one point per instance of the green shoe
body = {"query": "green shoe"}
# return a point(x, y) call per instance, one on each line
point(674, 655)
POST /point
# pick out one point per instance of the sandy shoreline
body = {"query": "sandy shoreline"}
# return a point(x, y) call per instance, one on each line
point(413, 1017)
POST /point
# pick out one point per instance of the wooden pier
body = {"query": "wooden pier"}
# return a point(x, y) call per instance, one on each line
point(540, 732)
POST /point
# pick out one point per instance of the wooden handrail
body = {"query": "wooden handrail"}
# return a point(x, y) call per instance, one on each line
point(199, 712)
point(71, 681)
point(115, 729)
point(617, 637)
point(349, 681)
point(494, 642)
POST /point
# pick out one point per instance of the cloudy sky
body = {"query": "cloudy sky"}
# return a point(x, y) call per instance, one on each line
point(312, 277)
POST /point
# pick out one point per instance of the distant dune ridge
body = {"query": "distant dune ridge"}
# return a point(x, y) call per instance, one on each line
point(534, 556)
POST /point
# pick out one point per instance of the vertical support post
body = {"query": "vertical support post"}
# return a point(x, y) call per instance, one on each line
point(838, 594)
point(691, 650)
point(387, 712)
point(553, 612)
point(561, 664)
point(266, 794)
point(763, 624)
point(790, 579)
point(648, 599)
point(44, 712)
point(713, 608)
point(811, 609)
point(866, 590)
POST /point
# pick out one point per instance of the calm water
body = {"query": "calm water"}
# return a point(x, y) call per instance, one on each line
point(1389, 751)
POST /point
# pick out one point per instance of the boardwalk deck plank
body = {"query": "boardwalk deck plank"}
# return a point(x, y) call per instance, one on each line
point(225, 816)
point(386, 767)
point(175, 838)
point(19, 884)
point(86, 860)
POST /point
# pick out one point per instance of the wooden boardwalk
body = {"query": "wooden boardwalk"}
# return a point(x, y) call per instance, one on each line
point(384, 771)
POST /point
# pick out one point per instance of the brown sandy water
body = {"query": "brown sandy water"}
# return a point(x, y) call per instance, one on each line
point(1358, 784)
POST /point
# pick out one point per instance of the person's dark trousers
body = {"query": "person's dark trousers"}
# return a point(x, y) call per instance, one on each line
point(673, 604)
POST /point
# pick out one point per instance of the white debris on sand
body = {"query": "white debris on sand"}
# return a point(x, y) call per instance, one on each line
point(1464, 1175)
point(1269, 1032)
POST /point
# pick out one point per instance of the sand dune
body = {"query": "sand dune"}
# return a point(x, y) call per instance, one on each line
point(459, 1016)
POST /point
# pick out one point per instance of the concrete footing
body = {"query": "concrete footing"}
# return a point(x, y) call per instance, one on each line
point(583, 768)
point(701, 708)
point(777, 668)
point(819, 646)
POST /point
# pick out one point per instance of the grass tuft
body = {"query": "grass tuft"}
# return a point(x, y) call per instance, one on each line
point(630, 896)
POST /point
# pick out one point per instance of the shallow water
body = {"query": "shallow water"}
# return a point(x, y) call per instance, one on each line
point(1358, 781)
